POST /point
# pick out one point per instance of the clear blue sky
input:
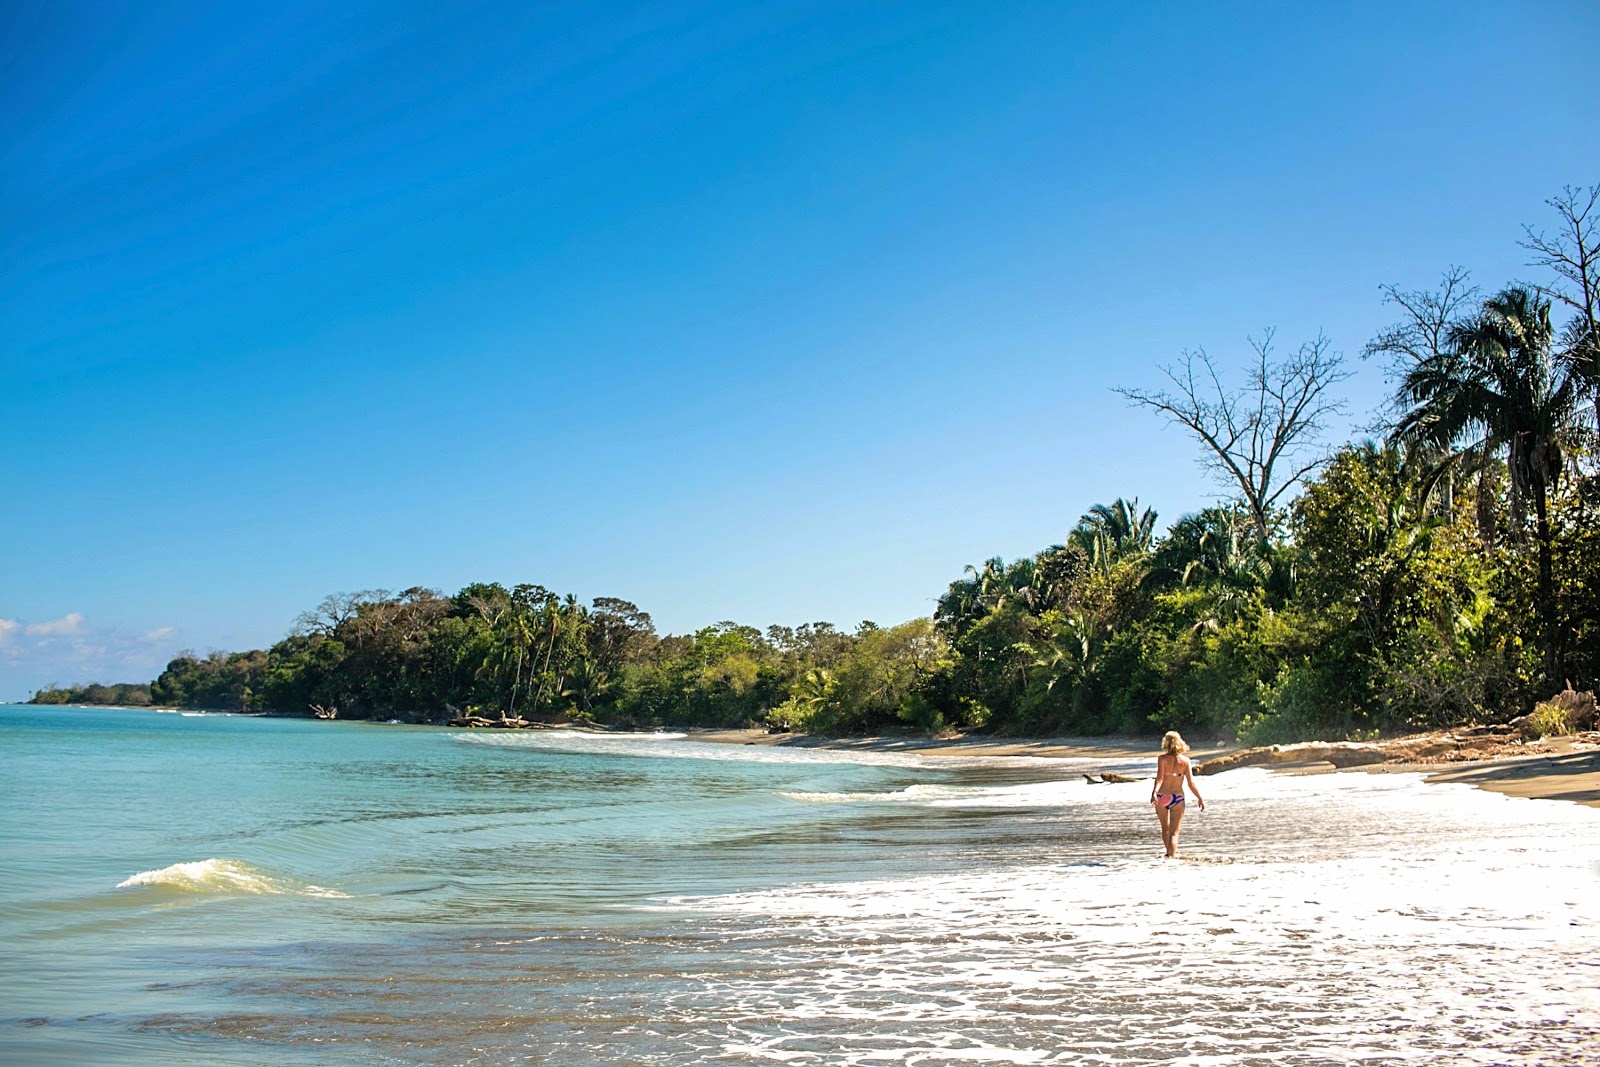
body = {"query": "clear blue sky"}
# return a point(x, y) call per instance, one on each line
point(772, 312)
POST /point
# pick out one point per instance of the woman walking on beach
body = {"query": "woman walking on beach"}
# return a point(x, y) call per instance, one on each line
point(1173, 770)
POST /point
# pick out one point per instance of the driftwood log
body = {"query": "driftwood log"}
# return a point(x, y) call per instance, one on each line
point(1576, 710)
point(502, 723)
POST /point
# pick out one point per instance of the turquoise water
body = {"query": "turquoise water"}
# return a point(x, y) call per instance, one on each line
point(183, 889)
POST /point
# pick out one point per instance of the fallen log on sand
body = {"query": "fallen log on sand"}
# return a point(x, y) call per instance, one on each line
point(502, 723)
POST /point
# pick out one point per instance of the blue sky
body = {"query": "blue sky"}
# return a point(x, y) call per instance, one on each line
point(772, 312)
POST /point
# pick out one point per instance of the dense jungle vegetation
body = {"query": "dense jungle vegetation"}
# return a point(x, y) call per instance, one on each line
point(1446, 572)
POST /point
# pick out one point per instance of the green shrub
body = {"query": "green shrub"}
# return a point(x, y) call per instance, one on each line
point(1549, 720)
point(915, 709)
point(1302, 703)
point(788, 716)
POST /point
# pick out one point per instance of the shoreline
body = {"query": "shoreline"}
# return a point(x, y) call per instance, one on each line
point(1554, 768)
point(1549, 769)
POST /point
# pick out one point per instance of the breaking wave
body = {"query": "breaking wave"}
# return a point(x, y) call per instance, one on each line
point(217, 876)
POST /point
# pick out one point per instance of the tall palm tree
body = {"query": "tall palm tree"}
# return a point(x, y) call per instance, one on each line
point(1217, 550)
point(1110, 532)
point(959, 607)
point(1500, 387)
point(520, 637)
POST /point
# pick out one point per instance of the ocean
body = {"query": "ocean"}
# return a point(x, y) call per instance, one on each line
point(184, 889)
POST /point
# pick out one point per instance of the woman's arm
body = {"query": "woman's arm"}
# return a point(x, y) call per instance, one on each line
point(1188, 776)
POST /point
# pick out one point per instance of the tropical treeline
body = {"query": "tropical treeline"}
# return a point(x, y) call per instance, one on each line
point(527, 652)
point(120, 694)
point(1445, 571)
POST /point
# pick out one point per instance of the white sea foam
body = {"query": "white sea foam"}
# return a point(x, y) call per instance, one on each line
point(676, 747)
point(915, 794)
point(224, 877)
point(1438, 924)
point(1030, 795)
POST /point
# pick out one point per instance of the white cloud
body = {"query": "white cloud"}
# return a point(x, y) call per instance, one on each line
point(72, 650)
point(67, 624)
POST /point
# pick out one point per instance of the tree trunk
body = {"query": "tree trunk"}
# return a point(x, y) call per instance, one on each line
point(1517, 505)
point(1485, 510)
point(516, 680)
point(1546, 608)
point(548, 652)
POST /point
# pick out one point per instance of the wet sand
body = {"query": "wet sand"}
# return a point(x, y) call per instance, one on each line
point(1574, 776)
point(1554, 769)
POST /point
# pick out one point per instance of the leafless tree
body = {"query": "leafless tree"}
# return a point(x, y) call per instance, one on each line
point(1262, 438)
point(1423, 333)
point(1426, 317)
point(336, 610)
point(1572, 253)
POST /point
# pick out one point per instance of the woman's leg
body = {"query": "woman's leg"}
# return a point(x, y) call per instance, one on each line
point(1174, 820)
point(1165, 817)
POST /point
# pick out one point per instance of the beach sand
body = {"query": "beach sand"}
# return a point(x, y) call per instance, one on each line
point(1573, 776)
point(1553, 769)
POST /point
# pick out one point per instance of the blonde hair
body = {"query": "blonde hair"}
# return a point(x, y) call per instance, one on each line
point(1172, 743)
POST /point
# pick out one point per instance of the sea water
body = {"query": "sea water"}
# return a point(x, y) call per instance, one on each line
point(184, 889)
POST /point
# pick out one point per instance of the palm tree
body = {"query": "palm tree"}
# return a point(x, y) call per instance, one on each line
point(1216, 550)
point(1500, 387)
point(1125, 526)
point(1056, 573)
point(958, 608)
point(588, 682)
point(520, 637)
point(547, 609)
point(815, 689)
point(1110, 532)
point(990, 581)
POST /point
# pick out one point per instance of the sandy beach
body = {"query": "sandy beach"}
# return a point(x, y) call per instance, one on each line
point(443, 896)
point(1572, 776)
point(1550, 769)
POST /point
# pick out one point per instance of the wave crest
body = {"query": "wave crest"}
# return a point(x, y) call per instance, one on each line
point(1032, 795)
point(224, 876)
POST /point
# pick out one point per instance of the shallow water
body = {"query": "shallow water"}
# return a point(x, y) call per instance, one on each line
point(209, 890)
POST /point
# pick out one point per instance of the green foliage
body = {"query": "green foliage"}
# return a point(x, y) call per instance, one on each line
point(1549, 720)
point(916, 710)
point(1303, 701)
point(222, 681)
point(1575, 537)
point(123, 694)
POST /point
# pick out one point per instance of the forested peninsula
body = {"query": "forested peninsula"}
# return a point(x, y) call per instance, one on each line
point(1445, 572)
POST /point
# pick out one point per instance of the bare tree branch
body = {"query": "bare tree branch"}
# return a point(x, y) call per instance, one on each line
point(1254, 433)
point(1424, 328)
point(1573, 256)
point(335, 611)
